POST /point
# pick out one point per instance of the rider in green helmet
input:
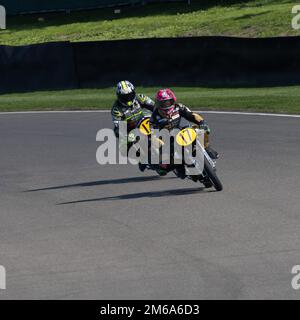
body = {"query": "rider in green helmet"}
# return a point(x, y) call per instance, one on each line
point(130, 107)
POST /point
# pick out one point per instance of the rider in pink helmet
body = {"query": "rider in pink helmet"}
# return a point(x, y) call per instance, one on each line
point(168, 114)
point(165, 101)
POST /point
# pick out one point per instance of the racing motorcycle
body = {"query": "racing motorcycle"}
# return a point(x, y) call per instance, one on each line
point(188, 137)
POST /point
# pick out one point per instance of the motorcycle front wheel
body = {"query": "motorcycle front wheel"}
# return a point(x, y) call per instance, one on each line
point(211, 173)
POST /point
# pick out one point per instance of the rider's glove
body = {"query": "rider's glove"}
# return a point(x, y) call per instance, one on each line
point(123, 141)
point(163, 122)
point(204, 126)
point(131, 137)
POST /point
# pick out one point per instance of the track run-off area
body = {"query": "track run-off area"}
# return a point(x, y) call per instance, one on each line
point(72, 229)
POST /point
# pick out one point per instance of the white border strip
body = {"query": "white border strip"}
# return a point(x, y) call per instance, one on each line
point(47, 112)
point(284, 115)
point(201, 111)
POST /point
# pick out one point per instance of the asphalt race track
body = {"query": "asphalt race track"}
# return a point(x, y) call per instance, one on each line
point(72, 229)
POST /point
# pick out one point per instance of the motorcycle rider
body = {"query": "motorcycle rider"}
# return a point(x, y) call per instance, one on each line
point(168, 113)
point(129, 107)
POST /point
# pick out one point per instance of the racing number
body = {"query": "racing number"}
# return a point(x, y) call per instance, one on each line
point(145, 127)
point(186, 137)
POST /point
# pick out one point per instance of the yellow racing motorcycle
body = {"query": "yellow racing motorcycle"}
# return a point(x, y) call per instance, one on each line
point(188, 156)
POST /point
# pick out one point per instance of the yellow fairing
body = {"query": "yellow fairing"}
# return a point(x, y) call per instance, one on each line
point(186, 137)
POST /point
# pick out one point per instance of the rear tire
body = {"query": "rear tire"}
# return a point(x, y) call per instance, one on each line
point(211, 173)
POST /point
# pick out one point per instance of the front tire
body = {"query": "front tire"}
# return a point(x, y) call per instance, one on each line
point(211, 173)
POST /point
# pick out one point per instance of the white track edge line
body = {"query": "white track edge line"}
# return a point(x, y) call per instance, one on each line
point(202, 111)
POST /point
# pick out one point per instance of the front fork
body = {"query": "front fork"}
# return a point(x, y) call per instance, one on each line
point(200, 166)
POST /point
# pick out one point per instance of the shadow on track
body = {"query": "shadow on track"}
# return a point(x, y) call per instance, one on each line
point(154, 194)
point(102, 182)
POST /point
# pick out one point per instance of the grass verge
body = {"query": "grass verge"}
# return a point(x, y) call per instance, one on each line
point(256, 18)
point(276, 100)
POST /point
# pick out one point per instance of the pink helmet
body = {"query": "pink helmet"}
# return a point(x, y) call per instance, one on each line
point(165, 101)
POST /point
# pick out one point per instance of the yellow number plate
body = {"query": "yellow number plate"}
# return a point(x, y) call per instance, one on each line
point(145, 127)
point(186, 137)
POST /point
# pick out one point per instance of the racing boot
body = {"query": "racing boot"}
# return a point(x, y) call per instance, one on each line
point(212, 153)
point(142, 167)
point(180, 172)
point(162, 170)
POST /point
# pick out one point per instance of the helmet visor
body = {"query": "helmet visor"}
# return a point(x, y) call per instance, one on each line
point(166, 107)
point(166, 104)
point(126, 98)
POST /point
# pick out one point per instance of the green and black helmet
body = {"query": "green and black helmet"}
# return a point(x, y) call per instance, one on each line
point(126, 93)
